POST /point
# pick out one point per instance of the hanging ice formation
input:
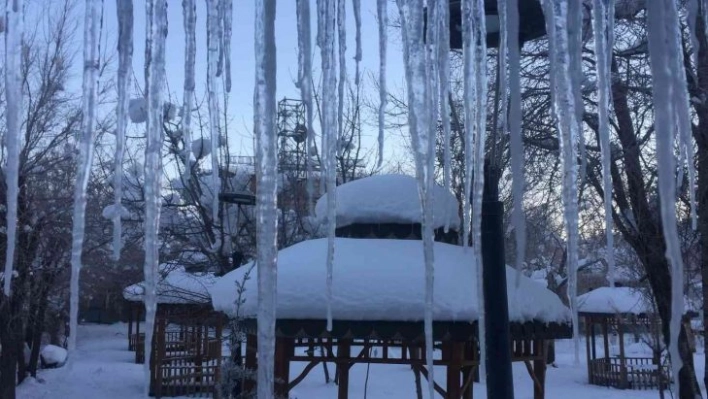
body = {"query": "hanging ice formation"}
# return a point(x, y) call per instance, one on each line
point(342, 47)
point(664, 52)
point(124, 9)
point(420, 77)
point(382, 14)
point(83, 172)
point(443, 55)
point(304, 83)
point(602, 54)
point(13, 112)
point(189, 14)
point(227, 22)
point(509, 19)
point(266, 207)
point(357, 56)
point(575, 48)
point(325, 40)
point(156, 17)
point(213, 23)
point(556, 14)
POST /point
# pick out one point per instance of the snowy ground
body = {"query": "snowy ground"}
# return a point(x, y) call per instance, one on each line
point(103, 368)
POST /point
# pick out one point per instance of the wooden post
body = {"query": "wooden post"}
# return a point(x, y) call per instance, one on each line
point(588, 333)
point(131, 344)
point(283, 352)
point(539, 369)
point(343, 365)
point(249, 384)
point(606, 338)
point(623, 362)
point(452, 353)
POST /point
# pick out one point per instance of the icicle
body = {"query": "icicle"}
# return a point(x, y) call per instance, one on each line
point(468, 72)
point(156, 16)
point(228, 15)
point(342, 36)
point(14, 29)
point(213, 40)
point(266, 205)
point(382, 13)
point(599, 15)
point(509, 19)
point(480, 128)
point(357, 57)
point(419, 76)
point(325, 40)
point(305, 86)
point(89, 99)
point(575, 48)
point(125, 61)
point(670, 107)
point(443, 45)
point(189, 12)
point(556, 15)
point(692, 18)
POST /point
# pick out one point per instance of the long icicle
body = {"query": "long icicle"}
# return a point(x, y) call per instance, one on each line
point(83, 172)
point(213, 23)
point(443, 55)
point(14, 29)
point(382, 15)
point(228, 15)
point(599, 15)
point(125, 61)
point(356, 4)
point(664, 51)
point(189, 13)
point(511, 9)
point(480, 130)
point(266, 195)
point(327, 12)
point(469, 106)
point(342, 47)
point(556, 15)
point(156, 11)
point(304, 43)
point(575, 48)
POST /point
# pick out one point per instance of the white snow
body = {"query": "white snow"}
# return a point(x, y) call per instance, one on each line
point(614, 300)
point(388, 199)
point(176, 286)
point(53, 355)
point(388, 284)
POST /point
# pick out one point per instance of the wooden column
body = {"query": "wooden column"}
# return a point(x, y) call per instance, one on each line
point(130, 326)
point(588, 333)
point(623, 362)
point(453, 353)
point(249, 384)
point(343, 365)
point(283, 353)
point(539, 369)
point(606, 337)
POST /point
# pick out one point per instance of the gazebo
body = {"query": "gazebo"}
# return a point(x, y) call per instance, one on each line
point(378, 297)
point(631, 354)
point(186, 346)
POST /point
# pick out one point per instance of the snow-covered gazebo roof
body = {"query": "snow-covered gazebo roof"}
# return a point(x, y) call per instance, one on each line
point(615, 300)
point(389, 198)
point(175, 286)
point(387, 285)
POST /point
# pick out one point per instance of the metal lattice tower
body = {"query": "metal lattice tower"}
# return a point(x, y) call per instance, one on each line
point(292, 138)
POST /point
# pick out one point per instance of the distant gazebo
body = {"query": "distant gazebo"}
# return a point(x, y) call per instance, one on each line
point(631, 354)
point(379, 296)
point(187, 339)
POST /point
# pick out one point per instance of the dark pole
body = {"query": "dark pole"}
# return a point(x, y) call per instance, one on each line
point(500, 383)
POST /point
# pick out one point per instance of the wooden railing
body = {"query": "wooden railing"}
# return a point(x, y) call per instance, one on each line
point(632, 373)
point(182, 376)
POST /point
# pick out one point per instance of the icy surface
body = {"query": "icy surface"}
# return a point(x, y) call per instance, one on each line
point(388, 199)
point(267, 183)
point(304, 83)
point(387, 285)
point(53, 355)
point(175, 285)
point(124, 10)
point(13, 112)
point(89, 99)
point(189, 13)
point(213, 45)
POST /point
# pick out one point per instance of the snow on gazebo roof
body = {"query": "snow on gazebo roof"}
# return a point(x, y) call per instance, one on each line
point(387, 284)
point(613, 300)
point(175, 286)
point(388, 199)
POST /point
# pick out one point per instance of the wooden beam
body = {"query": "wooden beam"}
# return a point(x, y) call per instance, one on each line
point(343, 366)
point(539, 370)
point(310, 366)
point(249, 384)
point(283, 352)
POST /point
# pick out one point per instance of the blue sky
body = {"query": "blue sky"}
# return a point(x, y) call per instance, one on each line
point(242, 57)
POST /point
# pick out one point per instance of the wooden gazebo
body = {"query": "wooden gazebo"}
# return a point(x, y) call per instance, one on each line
point(187, 341)
point(626, 316)
point(378, 300)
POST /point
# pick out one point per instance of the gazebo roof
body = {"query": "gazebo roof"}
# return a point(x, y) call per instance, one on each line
point(381, 280)
point(175, 286)
point(388, 199)
point(615, 300)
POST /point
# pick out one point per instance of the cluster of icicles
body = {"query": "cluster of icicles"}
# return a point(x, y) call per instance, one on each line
point(427, 70)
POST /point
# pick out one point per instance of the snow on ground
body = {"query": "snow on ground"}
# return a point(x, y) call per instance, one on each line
point(103, 368)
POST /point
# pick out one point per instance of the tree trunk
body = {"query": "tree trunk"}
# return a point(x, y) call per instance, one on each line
point(10, 342)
